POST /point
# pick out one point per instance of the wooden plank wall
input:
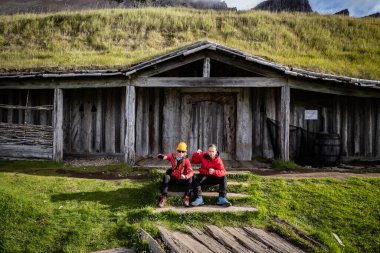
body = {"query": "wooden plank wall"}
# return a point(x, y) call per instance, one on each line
point(94, 121)
point(150, 130)
point(355, 119)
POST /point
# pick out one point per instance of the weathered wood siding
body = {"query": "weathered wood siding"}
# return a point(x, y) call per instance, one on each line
point(26, 124)
point(94, 121)
point(356, 120)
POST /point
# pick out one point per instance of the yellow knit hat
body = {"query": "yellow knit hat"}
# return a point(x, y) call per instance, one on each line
point(182, 146)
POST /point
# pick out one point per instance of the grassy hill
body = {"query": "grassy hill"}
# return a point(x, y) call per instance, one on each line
point(119, 38)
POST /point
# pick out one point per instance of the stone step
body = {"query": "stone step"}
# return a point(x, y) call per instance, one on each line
point(206, 209)
point(211, 194)
point(117, 250)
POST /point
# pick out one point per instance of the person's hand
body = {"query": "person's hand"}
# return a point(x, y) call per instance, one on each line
point(183, 177)
point(160, 156)
point(211, 171)
point(199, 151)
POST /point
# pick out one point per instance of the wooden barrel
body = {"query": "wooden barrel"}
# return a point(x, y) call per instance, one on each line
point(327, 149)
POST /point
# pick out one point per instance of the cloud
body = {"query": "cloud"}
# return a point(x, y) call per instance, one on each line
point(243, 5)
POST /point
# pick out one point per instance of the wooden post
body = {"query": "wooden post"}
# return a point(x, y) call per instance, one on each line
point(99, 121)
point(122, 121)
point(357, 128)
point(206, 67)
point(378, 129)
point(110, 122)
point(284, 122)
point(368, 129)
point(10, 111)
point(130, 118)
point(171, 120)
point(244, 126)
point(58, 125)
point(345, 128)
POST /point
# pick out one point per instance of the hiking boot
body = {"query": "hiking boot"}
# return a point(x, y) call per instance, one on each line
point(186, 201)
point(162, 202)
point(223, 202)
point(198, 201)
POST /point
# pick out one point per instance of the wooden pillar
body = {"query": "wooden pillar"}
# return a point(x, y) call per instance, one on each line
point(269, 113)
point(244, 125)
point(130, 119)
point(10, 111)
point(99, 121)
point(368, 129)
point(378, 129)
point(338, 116)
point(171, 120)
point(284, 122)
point(206, 67)
point(157, 115)
point(344, 128)
point(357, 128)
point(142, 122)
point(122, 121)
point(58, 125)
point(110, 122)
point(87, 121)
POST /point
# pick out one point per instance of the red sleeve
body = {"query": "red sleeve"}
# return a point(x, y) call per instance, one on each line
point(169, 157)
point(196, 158)
point(220, 171)
point(190, 171)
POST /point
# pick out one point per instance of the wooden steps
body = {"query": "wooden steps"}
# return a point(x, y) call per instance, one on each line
point(205, 209)
point(117, 250)
point(211, 194)
point(225, 240)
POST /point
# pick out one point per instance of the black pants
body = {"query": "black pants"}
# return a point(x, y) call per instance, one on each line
point(169, 180)
point(210, 180)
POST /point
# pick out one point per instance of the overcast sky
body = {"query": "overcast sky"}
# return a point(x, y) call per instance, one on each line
point(357, 8)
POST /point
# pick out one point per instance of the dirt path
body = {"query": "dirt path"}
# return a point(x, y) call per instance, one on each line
point(337, 175)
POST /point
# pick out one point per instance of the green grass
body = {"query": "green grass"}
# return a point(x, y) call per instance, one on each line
point(119, 38)
point(281, 165)
point(63, 214)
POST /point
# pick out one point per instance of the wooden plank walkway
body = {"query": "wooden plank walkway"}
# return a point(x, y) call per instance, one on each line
point(212, 194)
point(206, 209)
point(117, 250)
point(225, 240)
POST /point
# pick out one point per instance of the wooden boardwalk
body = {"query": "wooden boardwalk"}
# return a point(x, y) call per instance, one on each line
point(212, 239)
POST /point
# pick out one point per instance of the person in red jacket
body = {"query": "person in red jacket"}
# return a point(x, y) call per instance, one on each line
point(180, 173)
point(212, 172)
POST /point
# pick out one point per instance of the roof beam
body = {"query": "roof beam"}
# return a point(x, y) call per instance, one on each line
point(198, 82)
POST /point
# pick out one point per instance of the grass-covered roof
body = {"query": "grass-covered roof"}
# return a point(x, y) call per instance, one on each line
point(119, 38)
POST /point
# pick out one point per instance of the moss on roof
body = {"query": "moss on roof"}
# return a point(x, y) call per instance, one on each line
point(121, 37)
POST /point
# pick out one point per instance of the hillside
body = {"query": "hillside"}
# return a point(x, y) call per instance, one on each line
point(120, 38)
point(285, 5)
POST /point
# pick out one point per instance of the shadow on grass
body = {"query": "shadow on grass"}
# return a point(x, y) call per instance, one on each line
point(126, 198)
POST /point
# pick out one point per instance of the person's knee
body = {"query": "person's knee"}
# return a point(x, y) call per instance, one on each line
point(167, 178)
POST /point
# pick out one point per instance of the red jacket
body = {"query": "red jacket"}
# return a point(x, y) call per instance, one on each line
point(177, 172)
point(207, 163)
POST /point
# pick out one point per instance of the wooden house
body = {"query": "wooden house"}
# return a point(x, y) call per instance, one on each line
point(201, 94)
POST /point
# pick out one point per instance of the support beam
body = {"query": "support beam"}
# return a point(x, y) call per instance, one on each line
point(284, 123)
point(244, 126)
point(130, 118)
point(206, 67)
point(58, 125)
point(199, 82)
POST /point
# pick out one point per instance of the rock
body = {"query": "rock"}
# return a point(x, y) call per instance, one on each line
point(375, 15)
point(344, 12)
point(285, 5)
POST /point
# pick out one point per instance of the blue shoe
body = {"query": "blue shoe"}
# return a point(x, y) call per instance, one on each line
point(223, 202)
point(197, 202)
